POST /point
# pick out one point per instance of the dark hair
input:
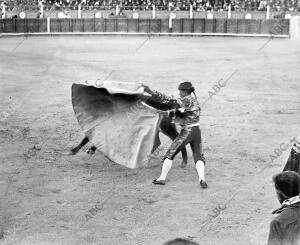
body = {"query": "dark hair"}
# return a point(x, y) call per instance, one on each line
point(288, 183)
point(180, 241)
point(186, 86)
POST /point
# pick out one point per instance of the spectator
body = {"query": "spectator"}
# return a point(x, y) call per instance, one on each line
point(262, 5)
point(121, 13)
point(198, 5)
point(285, 228)
point(170, 6)
point(39, 15)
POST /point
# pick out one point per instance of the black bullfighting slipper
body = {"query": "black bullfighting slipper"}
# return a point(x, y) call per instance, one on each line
point(203, 184)
point(159, 182)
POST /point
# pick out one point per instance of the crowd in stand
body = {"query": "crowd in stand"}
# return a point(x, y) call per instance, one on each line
point(177, 5)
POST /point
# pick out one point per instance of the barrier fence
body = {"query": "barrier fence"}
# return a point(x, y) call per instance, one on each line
point(115, 25)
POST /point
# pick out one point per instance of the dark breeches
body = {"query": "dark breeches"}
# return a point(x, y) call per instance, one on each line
point(169, 129)
point(187, 135)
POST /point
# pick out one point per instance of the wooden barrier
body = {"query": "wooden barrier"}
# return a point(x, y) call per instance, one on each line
point(77, 25)
point(99, 25)
point(132, 25)
point(55, 25)
point(254, 26)
point(187, 25)
point(114, 25)
point(9, 26)
point(122, 25)
point(66, 25)
point(265, 26)
point(221, 26)
point(155, 26)
point(242, 27)
point(232, 26)
point(210, 26)
point(176, 25)
point(164, 26)
point(144, 26)
point(199, 25)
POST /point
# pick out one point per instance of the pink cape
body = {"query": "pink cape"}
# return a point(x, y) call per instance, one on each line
point(116, 121)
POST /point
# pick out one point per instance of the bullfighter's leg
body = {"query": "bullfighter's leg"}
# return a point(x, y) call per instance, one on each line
point(181, 141)
point(168, 128)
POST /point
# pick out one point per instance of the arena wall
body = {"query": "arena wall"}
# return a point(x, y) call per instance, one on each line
point(277, 28)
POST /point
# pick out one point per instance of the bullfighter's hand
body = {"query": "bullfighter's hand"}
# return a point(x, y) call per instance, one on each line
point(147, 89)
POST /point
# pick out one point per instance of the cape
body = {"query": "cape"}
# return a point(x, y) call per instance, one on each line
point(116, 118)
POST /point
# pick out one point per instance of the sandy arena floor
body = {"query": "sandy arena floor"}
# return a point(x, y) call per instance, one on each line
point(48, 197)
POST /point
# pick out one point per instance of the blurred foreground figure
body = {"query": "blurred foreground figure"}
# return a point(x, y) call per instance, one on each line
point(285, 228)
point(180, 241)
point(293, 162)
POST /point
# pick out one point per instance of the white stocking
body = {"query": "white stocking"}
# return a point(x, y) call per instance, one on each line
point(200, 169)
point(165, 169)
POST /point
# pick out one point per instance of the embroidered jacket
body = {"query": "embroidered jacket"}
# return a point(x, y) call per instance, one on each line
point(187, 108)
